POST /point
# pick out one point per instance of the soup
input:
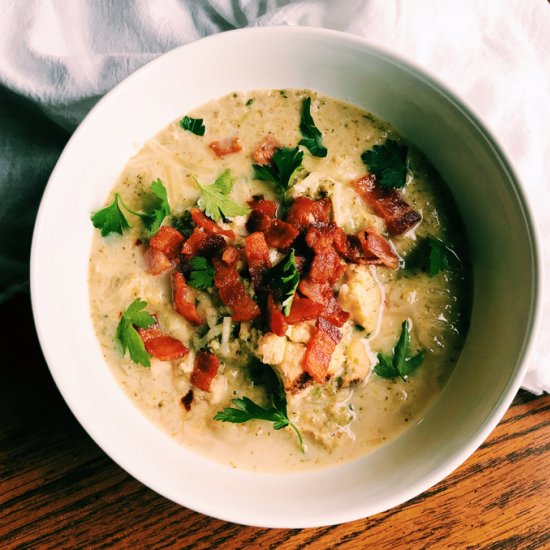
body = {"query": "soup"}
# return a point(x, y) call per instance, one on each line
point(279, 281)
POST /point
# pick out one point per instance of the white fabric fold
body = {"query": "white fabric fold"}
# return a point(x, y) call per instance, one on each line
point(64, 55)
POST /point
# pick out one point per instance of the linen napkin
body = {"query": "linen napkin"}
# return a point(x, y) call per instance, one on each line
point(58, 57)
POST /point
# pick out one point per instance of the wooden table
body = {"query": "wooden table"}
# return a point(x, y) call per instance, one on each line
point(58, 489)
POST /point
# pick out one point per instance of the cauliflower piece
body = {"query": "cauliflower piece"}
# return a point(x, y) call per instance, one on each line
point(301, 332)
point(271, 348)
point(362, 296)
point(358, 362)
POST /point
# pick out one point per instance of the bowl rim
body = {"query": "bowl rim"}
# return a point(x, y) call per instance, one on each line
point(500, 407)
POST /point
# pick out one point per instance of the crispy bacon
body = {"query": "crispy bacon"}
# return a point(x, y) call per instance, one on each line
point(378, 250)
point(322, 293)
point(157, 262)
point(280, 235)
point(258, 221)
point(231, 256)
point(319, 350)
point(387, 203)
point(226, 146)
point(269, 208)
point(266, 148)
point(303, 309)
point(257, 256)
point(210, 226)
point(168, 240)
point(193, 244)
point(233, 293)
point(325, 266)
point(305, 212)
point(179, 295)
point(204, 370)
point(276, 319)
point(160, 345)
point(187, 400)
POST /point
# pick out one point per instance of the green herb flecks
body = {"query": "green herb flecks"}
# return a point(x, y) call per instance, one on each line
point(215, 201)
point(245, 409)
point(312, 138)
point(183, 223)
point(401, 364)
point(194, 125)
point(284, 278)
point(110, 219)
point(388, 162)
point(281, 171)
point(127, 336)
point(202, 273)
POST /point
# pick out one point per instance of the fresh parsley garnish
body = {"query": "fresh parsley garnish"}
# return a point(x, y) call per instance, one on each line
point(215, 201)
point(281, 170)
point(284, 278)
point(249, 102)
point(388, 162)
point(438, 257)
point(202, 273)
point(127, 336)
point(194, 125)
point(245, 409)
point(110, 219)
point(312, 138)
point(402, 364)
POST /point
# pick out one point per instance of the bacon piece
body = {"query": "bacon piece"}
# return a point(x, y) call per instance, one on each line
point(168, 240)
point(387, 203)
point(280, 235)
point(258, 221)
point(160, 345)
point(231, 255)
point(377, 249)
point(257, 256)
point(204, 370)
point(226, 146)
point(233, 293)
point(323, 294)
point(157, 262)
point(325, 266)
point(210, 246)
point(305, 212)
point(179, 295)
point(319, 350)
point(269, 208)
point(276, 319)
point(193, 244)
point(303, 309)
point(187, 400)
point(209, 225)
point(266, 148)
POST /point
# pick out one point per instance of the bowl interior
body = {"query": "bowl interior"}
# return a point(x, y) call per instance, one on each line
point(498, 228)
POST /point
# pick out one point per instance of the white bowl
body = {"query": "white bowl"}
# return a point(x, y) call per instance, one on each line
point(494, 209)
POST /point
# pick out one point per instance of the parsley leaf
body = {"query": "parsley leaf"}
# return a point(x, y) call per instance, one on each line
point(388, 162)
point(158, 210)
point(284, 278)
point(312, 138)
point(438, 257)
point(215, 201)
point(194, 125)
point(127, 336)
point(245, 409)
point(281, 170)
point(110, 219)
point(402, 363)
point(202, 273)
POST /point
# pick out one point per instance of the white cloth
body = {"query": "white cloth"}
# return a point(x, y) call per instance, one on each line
point(62, 55)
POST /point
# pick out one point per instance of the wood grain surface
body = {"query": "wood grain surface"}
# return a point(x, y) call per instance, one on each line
point(58, 489)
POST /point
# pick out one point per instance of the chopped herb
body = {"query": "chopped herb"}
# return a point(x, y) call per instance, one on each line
point(432, 256)
point(183, 223)
point(312, 138)
point(202, 273)
point(215, 201)
point(388, 162)
point(157, 210)
point(281, 170)
point(283, 279)
point(402, 364)
point(110, 219)
point(245, 409)
point(249, 102)
point(438, 257)
point(127, 336)
point(194, 125)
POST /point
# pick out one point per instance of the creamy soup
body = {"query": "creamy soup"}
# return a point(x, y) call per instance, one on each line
point(291, 292)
